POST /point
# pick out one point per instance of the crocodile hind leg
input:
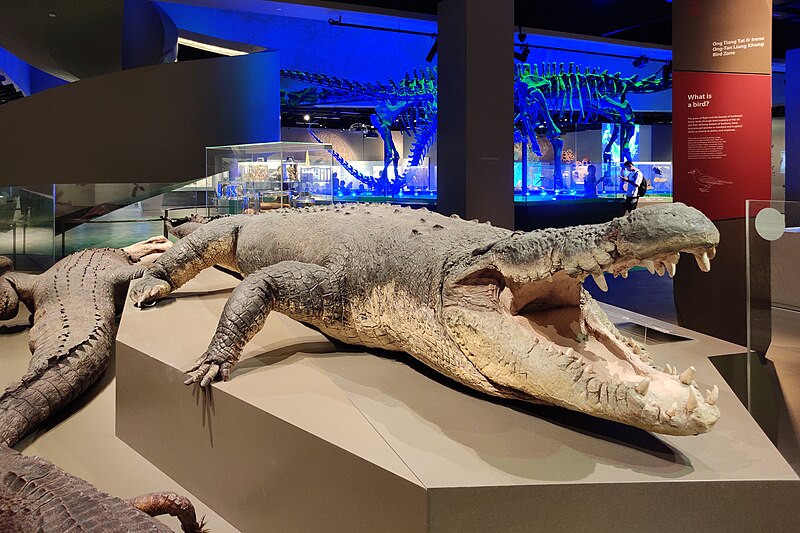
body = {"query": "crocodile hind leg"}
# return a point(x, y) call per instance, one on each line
point(9, 300)
point(303, 291)
point(151, 248)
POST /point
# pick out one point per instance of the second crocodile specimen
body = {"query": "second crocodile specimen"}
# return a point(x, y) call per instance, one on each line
point(500, 311)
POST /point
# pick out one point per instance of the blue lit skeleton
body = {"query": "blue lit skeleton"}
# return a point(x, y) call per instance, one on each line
point(411, 103)
point(540, 99)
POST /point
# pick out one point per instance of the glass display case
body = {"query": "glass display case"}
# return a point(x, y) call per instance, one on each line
point(249, 178)
point(578, 181)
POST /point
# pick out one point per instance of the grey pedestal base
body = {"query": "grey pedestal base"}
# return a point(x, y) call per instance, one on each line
point(309, 438)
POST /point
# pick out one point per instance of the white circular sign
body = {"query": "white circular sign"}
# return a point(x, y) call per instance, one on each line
point(770, 224)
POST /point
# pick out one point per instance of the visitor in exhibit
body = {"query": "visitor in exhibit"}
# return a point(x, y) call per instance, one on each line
point(632, 185)
point(590, 182)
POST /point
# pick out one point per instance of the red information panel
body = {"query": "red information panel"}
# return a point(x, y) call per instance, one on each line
point(722, 140)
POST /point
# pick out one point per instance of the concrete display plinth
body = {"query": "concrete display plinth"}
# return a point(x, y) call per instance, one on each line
point(308, 437)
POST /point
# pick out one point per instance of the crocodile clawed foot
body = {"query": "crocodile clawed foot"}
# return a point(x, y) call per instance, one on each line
point(209, 367)
point(148, 290)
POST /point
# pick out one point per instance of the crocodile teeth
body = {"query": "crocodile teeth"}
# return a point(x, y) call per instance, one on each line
point(637, 349)
point(671, 268)
point(673, 410)
point(668, 369)
point(651, 267)
point(569, 352)
point(691, 403)
point(600, 279)
point(687, 376)
point(642, 387)
point(712, 252)
point(703, 261)
point(712, 395)
point(624, 274)
point(660, 269)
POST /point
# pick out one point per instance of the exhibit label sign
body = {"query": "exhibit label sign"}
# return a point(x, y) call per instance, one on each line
point(723, 155)
point(721, 104)
point(722, 36)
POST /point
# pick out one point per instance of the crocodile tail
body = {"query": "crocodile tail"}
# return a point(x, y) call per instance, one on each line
point(38, 395)
point(363, 178)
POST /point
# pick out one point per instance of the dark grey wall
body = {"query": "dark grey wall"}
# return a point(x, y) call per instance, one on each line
point(83, 39)
point(476, 106)
point(149, 124)
point(149, 36)
point(793, 125)
point(661, 144)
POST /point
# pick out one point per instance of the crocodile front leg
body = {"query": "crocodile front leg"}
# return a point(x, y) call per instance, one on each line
point(303, 291)
point(211, 244)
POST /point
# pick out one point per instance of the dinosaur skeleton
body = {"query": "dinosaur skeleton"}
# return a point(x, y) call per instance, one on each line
point(542, 95)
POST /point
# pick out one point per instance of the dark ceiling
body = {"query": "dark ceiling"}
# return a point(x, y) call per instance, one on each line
point(647, 21)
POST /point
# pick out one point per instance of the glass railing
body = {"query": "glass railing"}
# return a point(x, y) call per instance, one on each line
point(39, 226)
point(117, 214)
point(26, 227)
point(773, 317)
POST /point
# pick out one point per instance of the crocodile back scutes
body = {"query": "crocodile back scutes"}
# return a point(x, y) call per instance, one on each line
point(75, 304)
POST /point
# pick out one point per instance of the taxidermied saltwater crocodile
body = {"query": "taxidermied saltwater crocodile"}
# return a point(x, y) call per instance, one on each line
point(74, 305)
point(36, 495)
point(500, 311)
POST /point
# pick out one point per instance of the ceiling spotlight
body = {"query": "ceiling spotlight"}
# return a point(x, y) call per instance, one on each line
point(51, 15)
point(306, 118)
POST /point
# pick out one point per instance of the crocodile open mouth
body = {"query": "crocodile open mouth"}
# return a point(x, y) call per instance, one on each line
point(558, 311)
point(567, 324)
point(542, 337)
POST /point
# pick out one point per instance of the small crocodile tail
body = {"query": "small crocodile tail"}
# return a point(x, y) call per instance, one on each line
point(36, 495)
point(38, 395)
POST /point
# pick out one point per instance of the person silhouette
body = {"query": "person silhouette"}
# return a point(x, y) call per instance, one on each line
point(631, 186)
point(590, 182)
